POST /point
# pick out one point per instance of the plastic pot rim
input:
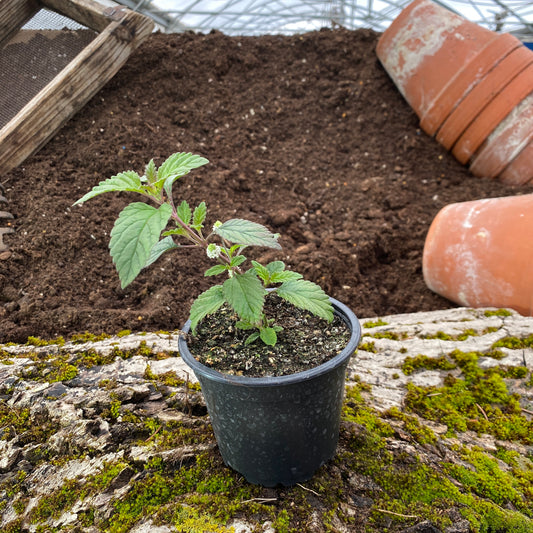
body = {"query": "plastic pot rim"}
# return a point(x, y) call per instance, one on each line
point(340, 309)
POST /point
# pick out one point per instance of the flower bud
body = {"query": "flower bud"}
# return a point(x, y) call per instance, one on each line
point(213, 251)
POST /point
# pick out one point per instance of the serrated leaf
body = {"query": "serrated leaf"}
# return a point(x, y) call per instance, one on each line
point(307, 295)
point(246, 295)
point(216, 270)
point(268, 336)
point(199, 214)
point(246, 232)
point(135, 233)
point(275, 266)
point(160, 248)
point(237, 260)
point(184, 212)
point(262, 272)
point(125, 181)
point(286, 275)
point(150, 172)
point(179, 164)
point(206, 304)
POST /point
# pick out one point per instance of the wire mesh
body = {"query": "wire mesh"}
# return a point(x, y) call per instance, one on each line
point(33, 57)
point(257, 17)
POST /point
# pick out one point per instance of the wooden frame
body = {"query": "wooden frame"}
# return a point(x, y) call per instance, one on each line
point(120, 32)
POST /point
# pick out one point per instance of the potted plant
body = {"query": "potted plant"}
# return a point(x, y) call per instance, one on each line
point(269, 348)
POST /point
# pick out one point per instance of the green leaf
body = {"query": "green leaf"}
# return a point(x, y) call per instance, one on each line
point(275, 266)
point(125, 181)
point(245, 232)
point(135, 233)
point(262, 272)
point(179, 164)
point(241, 324)
point(286, 275)
point(150, 172)
point(160, 248)
point(206, 304)
point(236, 247)
point(175, 231)
point(246, 295)
point(251, 338)
point(237, 260)
point(199, 215)
point(216, 270)
point(184, 212)
point(268, 336)
point(307, 295)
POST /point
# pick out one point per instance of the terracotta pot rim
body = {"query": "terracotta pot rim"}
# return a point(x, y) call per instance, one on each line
point(476, 102)
point(466, 79)
point(496, 111)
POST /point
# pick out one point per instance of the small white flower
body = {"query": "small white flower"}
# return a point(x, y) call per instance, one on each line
point(213, 251)
point(216, 225)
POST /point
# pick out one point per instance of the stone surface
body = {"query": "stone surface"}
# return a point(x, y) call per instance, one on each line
point(91, 420)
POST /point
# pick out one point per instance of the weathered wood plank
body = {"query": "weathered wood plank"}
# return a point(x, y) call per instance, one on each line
point(87, 12)
point(13, 15)
point(68, 92)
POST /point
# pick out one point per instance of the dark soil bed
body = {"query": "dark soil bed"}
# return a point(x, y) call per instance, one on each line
point(305, 134)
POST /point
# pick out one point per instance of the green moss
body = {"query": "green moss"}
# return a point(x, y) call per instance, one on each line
point(282, 522)
point(56, 503)
point(422, 434)
point(368, 347)
point(198, 485)
point(356, 410)
point(466, 334)
point(81, 338)
point(18, 422)
point(478, 401)
point(497, 312)
point(514, 343)
point(423, 362)
point(392, 335)
point(37, 341)
point(439, 335)
point(189, 520)
point(375, 324)
point(486, 479)
point(447, 337)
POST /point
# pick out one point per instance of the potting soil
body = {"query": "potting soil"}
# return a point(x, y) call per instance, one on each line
point(305, 134)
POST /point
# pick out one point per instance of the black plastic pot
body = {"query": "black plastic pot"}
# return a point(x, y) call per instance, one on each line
point(277, 430)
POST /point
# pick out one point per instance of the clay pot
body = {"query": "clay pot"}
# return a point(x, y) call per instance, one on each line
point(494, 112)
point(506, 142)
point(459, 126)
point(479, 253)
point(466, 79)
point(425, 47)
point(520, 170)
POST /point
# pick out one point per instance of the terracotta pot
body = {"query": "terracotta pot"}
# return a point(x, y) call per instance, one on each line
point(520, 170)
point(466, 79)
point(479, 98)
point(498, 108)
point(506, 142)
point(479, 253)
point(425, 46)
